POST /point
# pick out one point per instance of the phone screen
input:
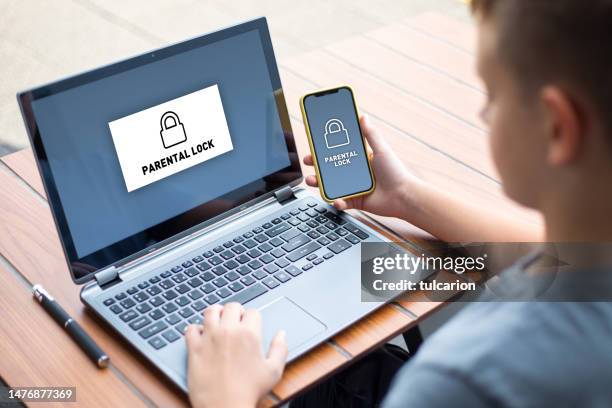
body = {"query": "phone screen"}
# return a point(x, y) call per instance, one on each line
point(338, 144)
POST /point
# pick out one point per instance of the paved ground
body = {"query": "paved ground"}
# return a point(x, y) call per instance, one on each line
point(42, 40)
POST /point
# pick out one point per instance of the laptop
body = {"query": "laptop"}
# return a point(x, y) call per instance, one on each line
point(173, 179)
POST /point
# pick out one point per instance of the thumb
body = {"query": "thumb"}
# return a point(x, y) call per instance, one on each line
point(277, 354)
point(378, 143)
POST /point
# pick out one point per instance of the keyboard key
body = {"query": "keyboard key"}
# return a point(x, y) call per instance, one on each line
point(260, 274)
point(224, 292)
point(339, 246)
point(332, 236)
point(276, 221)
point(317, 261)
point(261, 238)
point(196, 319)
point(186, 312)
point(296, 242)
point(231, 276)
point(141, 297)
point(313, 234)
point(287, 236)
point(353, 228)
point(278, 229)
point(248, 294)
point(243, 270)
point(312, 224)
point(156, 314)
point(207, 276)
point(169, 295)
point(132, 290)
point(312, 213)
point(211, 299)
point(242, 258)
point(270, 282)
point(191, 272)
point(303, 251)
point(139, 323)
point(257, 230)
point(182, 288)
point(271, 268)
point(165, 284)
point(166, 274)
point(352, 239)
point(181, 327)
point(195, 294)
point(116, 309)
point(215, 260)
point(195, 282)
point(127, 316)
point(109, 302)
point(295, 222)
point(143, 285)
point(218, 249)
point(236, 286)
point(307, 267)
point(247, 234)
point(250, 243)
point(172, 319)
point(254, 264)
point(328, 255)
point(228, 244)
point(238, 240)
point(295, 212)
point(219, 270)
point(341, 232)
point(143, 308)
point(322, 230)
point(198, 259)
point(231, 264)
point(127, 303)
point(203, 266)
point(182, 301)
point(311, 257)
point(170, 307)
point(208, 254)
point(208, 288)
point(286, 216)
point(187, 264)
point(157, 343)
point(153, 329)
point(282, 276)
point(293, 270)
point(120, 296)
point(282, 262)
point(278, 252)
point(157, 301)
point(227, 254)
point(320, 210)
point(199, 305)
point(254, 253)
point(248, 280)
point(323, 241)
point(154, 279)
point(303, 217)
point(220, 282)
point(311, 204)
point(335, 218)
point(276, 241)
point(238, 249)
point(267, 225)
point(177, 269)
point(179, 277)
point(265, 247)
point(171, 335)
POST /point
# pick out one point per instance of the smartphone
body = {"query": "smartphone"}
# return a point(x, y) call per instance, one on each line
point(338, 149)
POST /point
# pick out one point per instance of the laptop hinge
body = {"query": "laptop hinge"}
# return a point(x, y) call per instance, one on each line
point(284, 194)
point(107, 275)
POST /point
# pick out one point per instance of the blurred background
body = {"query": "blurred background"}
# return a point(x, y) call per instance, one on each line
point(43, 40)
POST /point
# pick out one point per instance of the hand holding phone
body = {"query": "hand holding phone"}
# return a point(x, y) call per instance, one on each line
point(337, 145)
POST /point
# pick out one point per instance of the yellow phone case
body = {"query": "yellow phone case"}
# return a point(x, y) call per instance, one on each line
point(314, 154)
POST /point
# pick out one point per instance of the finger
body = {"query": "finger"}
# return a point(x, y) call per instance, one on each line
point(378, 143)
point(252, 319)
point(212, 317)
point(193, 338)
point(277, 354)
point(341, 205)
point(308, 160)
point(312, 181)
point(231, 314)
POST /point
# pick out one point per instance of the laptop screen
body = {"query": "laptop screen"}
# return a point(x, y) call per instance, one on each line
point(137, 152)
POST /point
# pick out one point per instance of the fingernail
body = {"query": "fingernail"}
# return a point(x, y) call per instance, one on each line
point(282, 335)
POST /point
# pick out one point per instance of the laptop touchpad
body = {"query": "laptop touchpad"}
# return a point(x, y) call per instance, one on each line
point(284, 314)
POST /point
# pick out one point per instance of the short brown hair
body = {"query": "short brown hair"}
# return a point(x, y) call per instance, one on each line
point(567, 42)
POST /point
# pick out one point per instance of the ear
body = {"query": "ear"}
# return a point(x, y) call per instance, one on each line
point(563, 127)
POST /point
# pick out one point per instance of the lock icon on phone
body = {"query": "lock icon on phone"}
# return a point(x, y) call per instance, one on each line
point(173, 134)
point(336, 134)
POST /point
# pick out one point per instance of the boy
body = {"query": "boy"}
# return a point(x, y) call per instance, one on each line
point(546, 65)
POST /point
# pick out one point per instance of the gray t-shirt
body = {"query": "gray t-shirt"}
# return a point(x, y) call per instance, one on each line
point(513, 354)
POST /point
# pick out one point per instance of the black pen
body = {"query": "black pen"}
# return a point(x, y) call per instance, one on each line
point(75, 331)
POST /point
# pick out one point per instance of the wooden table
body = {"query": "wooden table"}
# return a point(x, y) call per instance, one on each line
point(416, 81)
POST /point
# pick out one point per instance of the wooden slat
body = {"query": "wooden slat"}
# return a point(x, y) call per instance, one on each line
point(46, 356)
point(29, 241)
point(437, 55)
point(445, 29)
point(438, 90)
point(22, 163)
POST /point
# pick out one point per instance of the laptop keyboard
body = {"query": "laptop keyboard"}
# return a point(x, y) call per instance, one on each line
point(160, 308)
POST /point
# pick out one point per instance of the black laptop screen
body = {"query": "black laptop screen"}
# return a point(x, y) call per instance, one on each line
point(140, 151)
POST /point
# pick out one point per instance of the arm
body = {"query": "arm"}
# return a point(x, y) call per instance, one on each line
point(402, 195)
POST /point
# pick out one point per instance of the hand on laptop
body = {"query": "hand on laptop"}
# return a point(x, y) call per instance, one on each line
point(392, 178)
point(226, 367)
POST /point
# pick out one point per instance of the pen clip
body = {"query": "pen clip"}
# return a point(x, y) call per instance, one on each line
point(39, 292)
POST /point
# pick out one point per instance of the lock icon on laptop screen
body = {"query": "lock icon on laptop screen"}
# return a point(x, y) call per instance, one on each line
point(172, 130)
point(336, 134)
